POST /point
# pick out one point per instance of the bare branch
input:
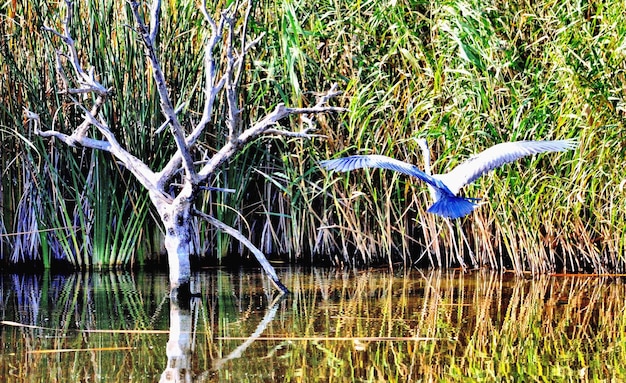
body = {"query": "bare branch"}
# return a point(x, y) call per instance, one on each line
point(212, 87)
point(167, 107)
point(234, 67)
point(67, 139)
point(167, 122)
point(233, 120)
point(87, 84)
point(207, 17)
point(269, 269)
point(304, 133)
point(61, 72)
point(287, 133)
point(86, 81)
point(140, 170)
point(261, 127)
point(81, 130)
point(244, 47)
point(155, 15)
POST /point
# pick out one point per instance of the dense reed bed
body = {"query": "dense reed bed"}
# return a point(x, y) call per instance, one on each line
point(466, 75)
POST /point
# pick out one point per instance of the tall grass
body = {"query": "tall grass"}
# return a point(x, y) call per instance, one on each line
point(88, 213)
point(466, 75)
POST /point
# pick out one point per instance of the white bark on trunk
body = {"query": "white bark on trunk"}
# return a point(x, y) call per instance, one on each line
point(178, 246)
point(184, 166)
point(176, 218)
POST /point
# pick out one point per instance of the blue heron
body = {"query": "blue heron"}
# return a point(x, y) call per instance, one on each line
point(445, 187)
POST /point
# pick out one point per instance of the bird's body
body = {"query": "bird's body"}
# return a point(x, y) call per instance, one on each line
point(445, 187)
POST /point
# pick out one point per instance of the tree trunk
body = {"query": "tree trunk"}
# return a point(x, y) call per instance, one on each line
point(189, 166)
point(178, 244)
point(176, 218)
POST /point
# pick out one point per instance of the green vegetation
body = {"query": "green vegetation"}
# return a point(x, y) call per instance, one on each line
point(466, 75)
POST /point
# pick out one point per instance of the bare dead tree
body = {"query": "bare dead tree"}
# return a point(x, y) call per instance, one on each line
point(220, 77)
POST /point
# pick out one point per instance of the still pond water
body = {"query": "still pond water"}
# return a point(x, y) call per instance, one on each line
point(336, 326)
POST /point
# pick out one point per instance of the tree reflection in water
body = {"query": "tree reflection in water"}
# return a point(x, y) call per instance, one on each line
point(180, 346)
point(336, 325)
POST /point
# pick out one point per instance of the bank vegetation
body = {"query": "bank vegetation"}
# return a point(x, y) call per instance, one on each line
point(465, 75)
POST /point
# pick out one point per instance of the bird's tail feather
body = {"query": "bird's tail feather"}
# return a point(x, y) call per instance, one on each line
point(451, 206)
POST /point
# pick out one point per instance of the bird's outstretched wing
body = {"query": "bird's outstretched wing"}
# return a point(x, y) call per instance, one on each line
point(498, 155)
point(382, 162)
point(446, 203)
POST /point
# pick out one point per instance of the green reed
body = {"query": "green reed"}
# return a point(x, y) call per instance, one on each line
point(468, 76)
point(465, 75)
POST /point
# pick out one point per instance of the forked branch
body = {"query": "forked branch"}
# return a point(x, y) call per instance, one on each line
point(167, 107)
point(224, 57)
point(266, 127)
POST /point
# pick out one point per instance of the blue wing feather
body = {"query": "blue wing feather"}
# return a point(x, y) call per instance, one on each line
point(382, 162)
point(446, 186)
point(447, 205)
point(498, 155)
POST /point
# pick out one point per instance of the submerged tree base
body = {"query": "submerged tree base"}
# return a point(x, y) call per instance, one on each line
point(178, 184)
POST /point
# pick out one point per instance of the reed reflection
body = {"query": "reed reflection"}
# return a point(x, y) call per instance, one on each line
point(336, 325)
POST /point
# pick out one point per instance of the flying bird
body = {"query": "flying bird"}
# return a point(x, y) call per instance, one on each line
point(444, 188)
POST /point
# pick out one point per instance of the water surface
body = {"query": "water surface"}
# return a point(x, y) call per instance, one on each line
point(336, 326)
